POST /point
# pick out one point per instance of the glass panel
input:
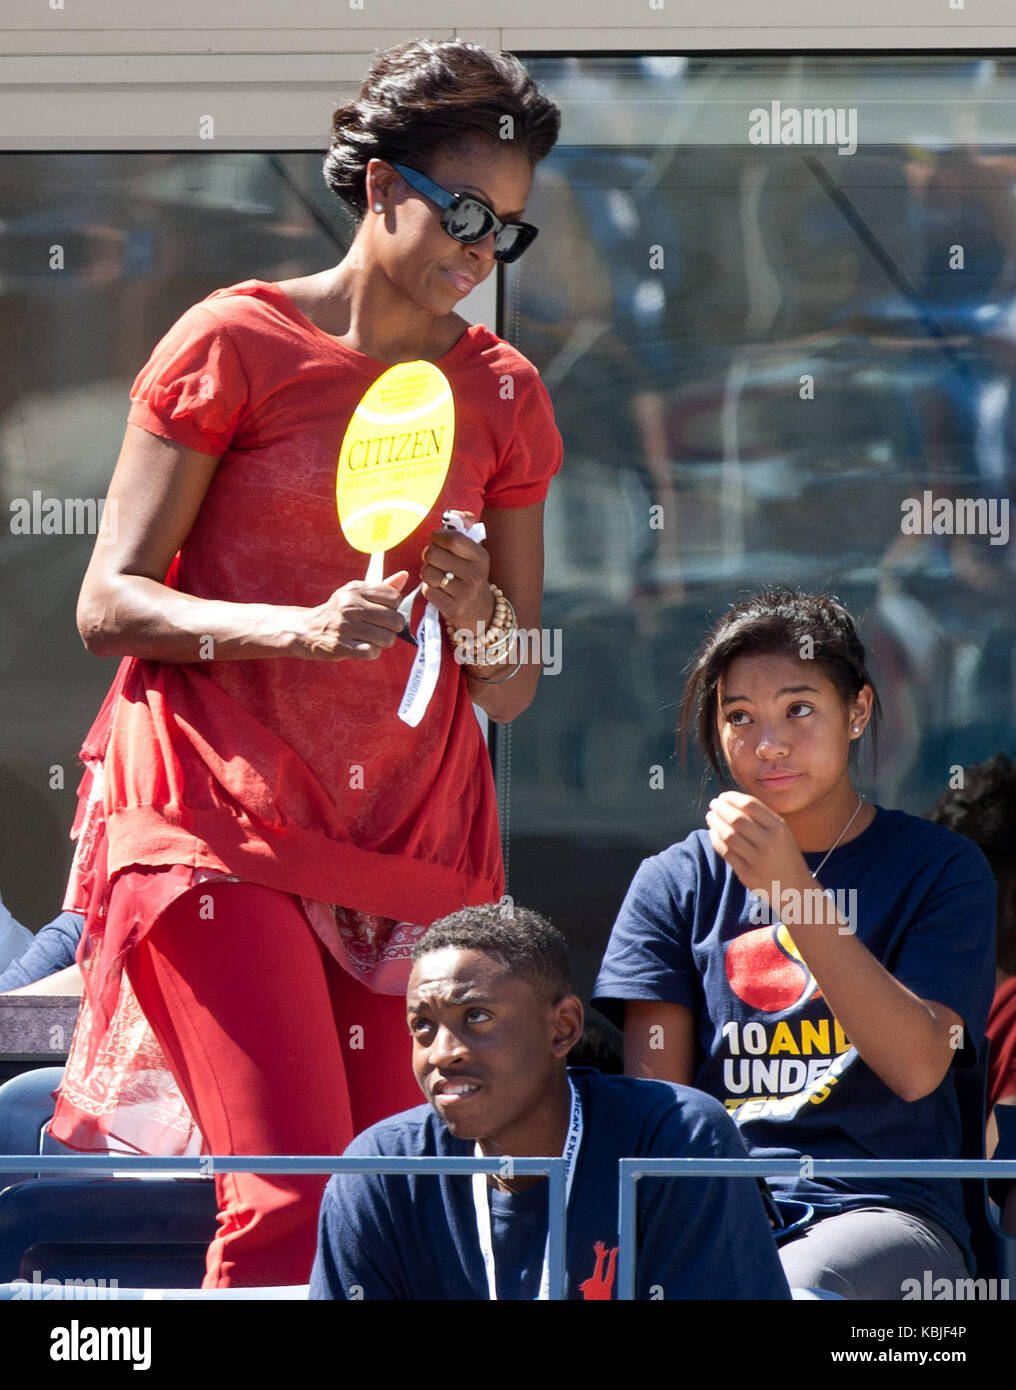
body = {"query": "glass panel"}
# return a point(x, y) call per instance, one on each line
point(99, 254)
point(757, 352)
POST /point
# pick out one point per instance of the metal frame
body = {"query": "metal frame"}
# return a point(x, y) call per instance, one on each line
point(206, 1165)
point(631, 1169)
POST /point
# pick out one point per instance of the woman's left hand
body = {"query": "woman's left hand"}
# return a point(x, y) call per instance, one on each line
point(464, 600)
point(755, 842)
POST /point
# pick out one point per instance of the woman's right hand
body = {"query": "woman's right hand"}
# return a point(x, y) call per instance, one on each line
point(360, 620)
point(125, 608)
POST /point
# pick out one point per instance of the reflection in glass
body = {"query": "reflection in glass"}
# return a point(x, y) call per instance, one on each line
point(757, 353)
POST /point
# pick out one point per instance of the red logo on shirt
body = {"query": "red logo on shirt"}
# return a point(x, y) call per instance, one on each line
point(600, 1284)
point(765, 969)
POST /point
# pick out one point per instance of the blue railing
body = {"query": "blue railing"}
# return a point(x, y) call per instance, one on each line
point(630, 1170)
point(205, 1165)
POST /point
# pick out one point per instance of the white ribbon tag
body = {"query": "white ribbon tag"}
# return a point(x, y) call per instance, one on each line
point(426, 667)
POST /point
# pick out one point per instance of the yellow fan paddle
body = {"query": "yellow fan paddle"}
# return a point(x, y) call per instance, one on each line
point(394, 459)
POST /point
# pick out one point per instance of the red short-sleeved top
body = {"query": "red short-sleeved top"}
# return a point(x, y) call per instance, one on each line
point(299, 774)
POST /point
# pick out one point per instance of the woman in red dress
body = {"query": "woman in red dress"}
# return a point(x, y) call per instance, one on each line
point(261, 838)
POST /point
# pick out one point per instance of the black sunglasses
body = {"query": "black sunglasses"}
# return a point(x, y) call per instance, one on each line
point(467, 219)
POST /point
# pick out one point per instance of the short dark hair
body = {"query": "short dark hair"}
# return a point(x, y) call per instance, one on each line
point(525, 943)
point(776, 620)
point(984, 810)
point(423, 95)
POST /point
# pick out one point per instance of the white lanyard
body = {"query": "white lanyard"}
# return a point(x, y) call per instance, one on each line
point(426, 668)
point(482, 1204)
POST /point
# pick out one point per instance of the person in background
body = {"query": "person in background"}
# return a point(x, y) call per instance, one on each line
point(817, 963)
point(983, 808)
point(47, 964)
point(492, 1014)
point(14, 938)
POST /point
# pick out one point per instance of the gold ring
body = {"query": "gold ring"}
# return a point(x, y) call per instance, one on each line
point(449, 576)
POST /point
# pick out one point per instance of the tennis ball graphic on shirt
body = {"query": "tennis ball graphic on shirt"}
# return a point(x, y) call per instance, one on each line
point(765, 970)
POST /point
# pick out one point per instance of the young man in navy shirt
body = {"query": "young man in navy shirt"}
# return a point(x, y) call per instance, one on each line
point(493, 1015)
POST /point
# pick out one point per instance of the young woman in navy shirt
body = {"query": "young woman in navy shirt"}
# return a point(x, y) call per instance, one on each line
point(818, 963)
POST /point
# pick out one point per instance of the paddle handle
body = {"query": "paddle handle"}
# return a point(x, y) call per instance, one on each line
point(376, 568)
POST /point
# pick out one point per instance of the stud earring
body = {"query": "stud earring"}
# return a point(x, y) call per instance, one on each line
point(379, 207)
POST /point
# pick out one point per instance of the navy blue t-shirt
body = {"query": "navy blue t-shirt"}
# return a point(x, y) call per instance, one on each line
point(518, 1233)
point(922, 900)
point(395, 1237)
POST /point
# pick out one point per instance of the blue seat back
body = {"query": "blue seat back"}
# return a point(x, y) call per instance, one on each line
point(136, 1231)
point(26, 1107)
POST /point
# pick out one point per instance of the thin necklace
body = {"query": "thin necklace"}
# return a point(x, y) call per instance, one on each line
point(840, 836)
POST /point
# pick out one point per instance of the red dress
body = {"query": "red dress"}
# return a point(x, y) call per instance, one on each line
point(296, 775)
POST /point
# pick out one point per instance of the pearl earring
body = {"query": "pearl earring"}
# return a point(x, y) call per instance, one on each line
point(379, 207)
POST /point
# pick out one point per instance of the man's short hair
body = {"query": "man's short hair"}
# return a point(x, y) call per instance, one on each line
point(525, 943)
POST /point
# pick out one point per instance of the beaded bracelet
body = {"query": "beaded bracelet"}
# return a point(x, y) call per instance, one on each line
point(493, 653)
point(498, 638)
point(502, 610)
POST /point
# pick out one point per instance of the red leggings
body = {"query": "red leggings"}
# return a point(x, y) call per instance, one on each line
point(277, 1050)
